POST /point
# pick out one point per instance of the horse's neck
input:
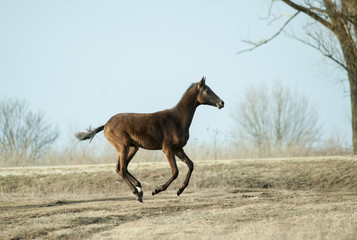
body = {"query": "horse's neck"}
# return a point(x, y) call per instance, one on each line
point(185, 109)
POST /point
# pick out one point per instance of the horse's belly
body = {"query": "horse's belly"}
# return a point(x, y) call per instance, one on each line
point(147, 142)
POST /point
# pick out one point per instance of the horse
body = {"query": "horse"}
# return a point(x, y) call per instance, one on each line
point(166, 130)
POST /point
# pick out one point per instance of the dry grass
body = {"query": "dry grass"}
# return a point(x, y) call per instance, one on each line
point(298, 198)
point(217, 147)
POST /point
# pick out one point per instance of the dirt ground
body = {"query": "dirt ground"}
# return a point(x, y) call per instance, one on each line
point(214, 214)
point(220, 211)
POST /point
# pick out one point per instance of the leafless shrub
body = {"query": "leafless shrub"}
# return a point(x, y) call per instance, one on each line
point(335, 145)
point(24, 135)
point(276, 122)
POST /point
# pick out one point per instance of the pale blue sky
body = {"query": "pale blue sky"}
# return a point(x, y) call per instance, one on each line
point(81, 62)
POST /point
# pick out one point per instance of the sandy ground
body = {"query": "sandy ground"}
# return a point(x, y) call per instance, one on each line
point(214, 214)
point(241, 214)
point(218, 212)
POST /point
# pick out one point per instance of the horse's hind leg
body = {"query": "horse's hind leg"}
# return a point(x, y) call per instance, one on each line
point(132, 151)
point(182, 155)
point(123, 172)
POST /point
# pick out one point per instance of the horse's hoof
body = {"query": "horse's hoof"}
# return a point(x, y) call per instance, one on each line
point(140, 199)
point(179, 192)
point(155, 192)
point(140, 191)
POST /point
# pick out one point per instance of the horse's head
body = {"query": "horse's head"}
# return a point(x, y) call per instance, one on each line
point(207, 96)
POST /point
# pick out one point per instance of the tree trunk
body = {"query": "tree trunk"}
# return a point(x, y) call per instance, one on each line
point(349, 50)
point(351, 62)
point(353, 92)
point(350, 55)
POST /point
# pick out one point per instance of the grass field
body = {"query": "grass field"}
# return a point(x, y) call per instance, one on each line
point(296, 198)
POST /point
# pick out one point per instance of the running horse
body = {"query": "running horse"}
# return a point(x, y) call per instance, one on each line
point(167, 130)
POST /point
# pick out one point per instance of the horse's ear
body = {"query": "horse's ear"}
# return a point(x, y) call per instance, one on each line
point(202, 82)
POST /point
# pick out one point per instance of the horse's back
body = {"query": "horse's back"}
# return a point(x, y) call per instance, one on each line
point(144, 130)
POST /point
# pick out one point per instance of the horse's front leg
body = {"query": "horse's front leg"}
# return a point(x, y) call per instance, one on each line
point(171, 158)
point(182, 155)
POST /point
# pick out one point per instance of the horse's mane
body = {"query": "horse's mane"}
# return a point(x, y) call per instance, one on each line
point(186, 92)
point(188, 89)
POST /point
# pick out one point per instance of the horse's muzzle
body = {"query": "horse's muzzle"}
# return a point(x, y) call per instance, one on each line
point(220, 104)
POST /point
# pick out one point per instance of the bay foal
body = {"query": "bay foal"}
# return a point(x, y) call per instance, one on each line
point(167, 130)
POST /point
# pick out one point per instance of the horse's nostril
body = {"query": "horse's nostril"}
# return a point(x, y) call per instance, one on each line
point(220, 104)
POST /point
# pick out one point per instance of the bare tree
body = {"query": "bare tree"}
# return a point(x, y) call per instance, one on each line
point(24, 135)
point(336, 38)
point(277, 122)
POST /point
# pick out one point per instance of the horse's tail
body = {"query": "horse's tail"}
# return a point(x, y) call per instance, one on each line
point(89, 134)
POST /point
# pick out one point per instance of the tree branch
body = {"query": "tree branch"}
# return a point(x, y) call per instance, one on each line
point(349, 11)
point(309, 12)
point(264, 41)
point(324, 51)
